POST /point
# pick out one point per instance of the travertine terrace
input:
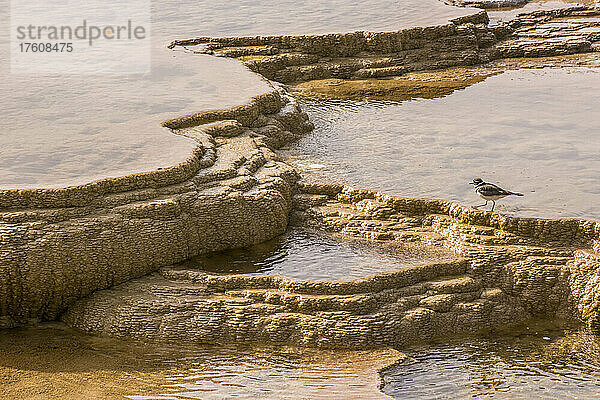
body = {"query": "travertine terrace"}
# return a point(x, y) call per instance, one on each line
point(506, 270)
point(464, 41)
point(60, 245)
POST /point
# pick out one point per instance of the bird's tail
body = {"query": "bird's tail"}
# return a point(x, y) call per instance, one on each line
point(517, 194)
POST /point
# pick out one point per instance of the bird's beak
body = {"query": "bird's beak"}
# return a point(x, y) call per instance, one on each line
point(471, 183)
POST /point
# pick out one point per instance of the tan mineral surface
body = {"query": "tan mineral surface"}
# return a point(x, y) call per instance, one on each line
point(426, 85)
point(507, 271)
point(53, 362)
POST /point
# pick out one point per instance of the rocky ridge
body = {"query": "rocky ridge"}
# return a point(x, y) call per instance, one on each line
point(506, 270)
point(60, 245)
point(466, 41)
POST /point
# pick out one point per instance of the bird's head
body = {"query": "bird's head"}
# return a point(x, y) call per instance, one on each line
point(476, 181)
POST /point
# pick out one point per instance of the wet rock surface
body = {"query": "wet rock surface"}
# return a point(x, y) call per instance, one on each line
point(389, 309)
point(545, 264)
point(60, 245)
point(293, 59)
point(413, 85)
point(488, 3)
point(544, 33)
point(507, 270)
point(235, 191)
point(359, 56)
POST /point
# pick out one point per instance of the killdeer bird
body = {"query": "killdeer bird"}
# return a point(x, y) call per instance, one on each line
point(489, 191)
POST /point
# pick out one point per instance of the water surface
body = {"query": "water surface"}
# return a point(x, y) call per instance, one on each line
point(530, 131)
point(68, 129)
point(54, 362)
point(506, 14)
point(535, 362)
point(307, 255)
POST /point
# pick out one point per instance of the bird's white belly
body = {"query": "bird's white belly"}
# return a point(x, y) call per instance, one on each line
point(493, 198)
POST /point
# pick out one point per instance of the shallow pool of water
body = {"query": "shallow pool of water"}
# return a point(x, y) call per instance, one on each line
point(532, 363)
point(530, 131)
point(307, 255)
point(54, 362)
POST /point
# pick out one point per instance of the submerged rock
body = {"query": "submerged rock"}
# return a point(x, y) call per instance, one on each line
point(427, 85)
point(59, 246)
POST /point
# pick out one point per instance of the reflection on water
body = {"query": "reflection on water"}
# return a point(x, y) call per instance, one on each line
point(53, 362)
point(307, 255)
point(536, 362)
point(531, 131)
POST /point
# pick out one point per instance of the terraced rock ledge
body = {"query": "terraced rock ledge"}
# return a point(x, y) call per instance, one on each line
point(61, 247)
point(506, 270)
point(377, 62)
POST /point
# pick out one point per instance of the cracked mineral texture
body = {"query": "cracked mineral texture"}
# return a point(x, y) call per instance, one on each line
point(506, 270)
point(59, 245)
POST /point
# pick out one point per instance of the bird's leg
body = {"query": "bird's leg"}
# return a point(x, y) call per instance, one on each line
point(482, 205)
point(493, 205)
